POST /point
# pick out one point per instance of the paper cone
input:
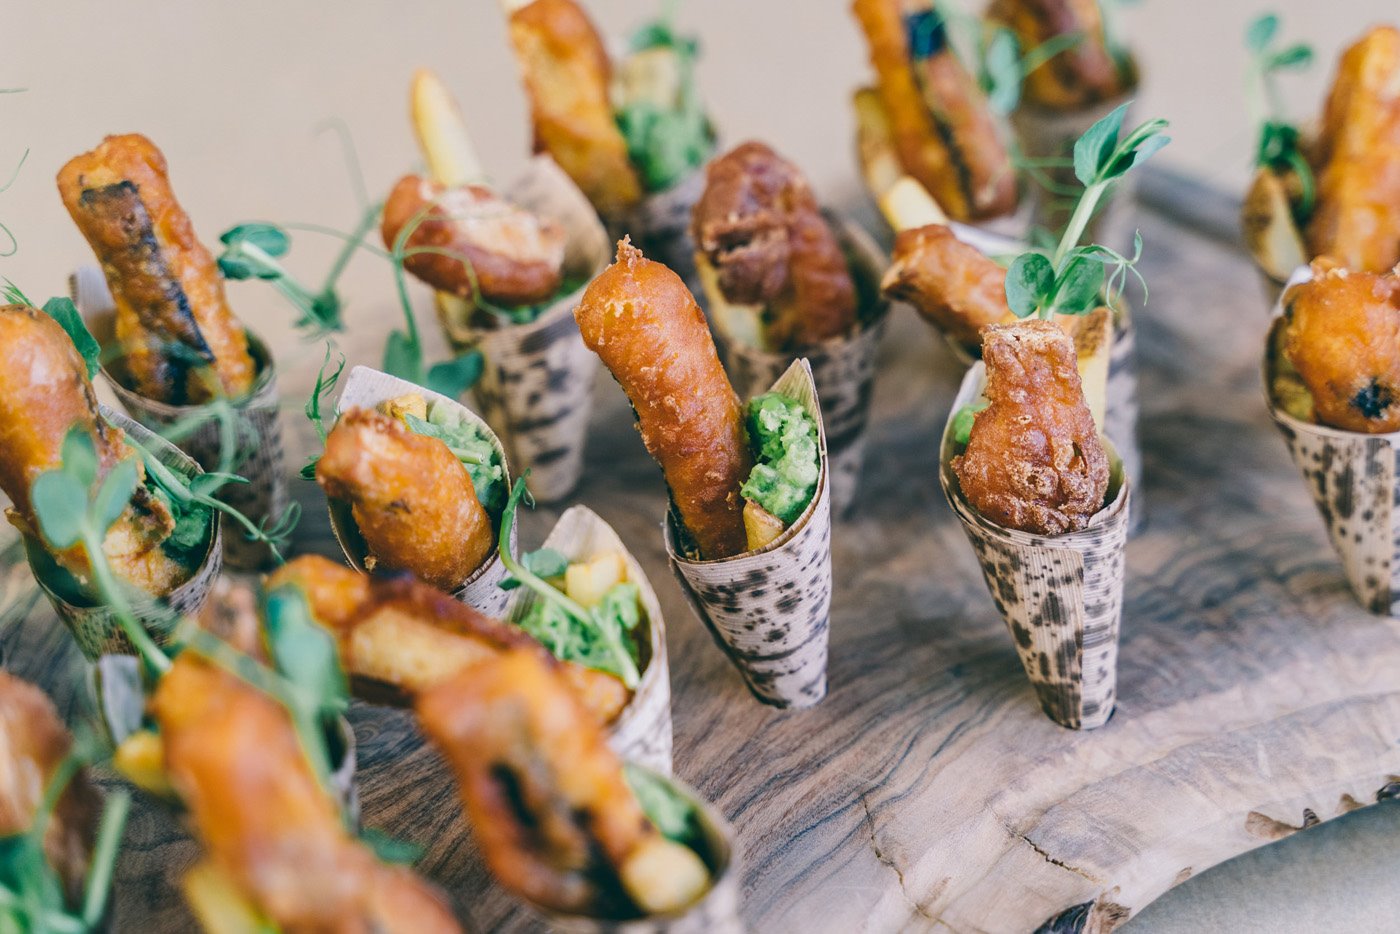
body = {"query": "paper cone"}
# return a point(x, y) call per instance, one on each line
point(1061, 596)
point(265, 493)
point(536, 387)
point(642, 732)
point(95, 628)
point(843, 367)
point(366, 388)
point(660, 227)
point(769, 610)
point(716, 913)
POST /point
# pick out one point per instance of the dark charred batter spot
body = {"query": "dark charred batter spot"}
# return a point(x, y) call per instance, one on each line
point(397, 505)
point(1373, 399)
point(509, 784)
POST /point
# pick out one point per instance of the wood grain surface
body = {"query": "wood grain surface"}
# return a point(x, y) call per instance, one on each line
point(928, 791)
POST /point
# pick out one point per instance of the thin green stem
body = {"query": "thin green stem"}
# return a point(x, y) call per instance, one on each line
point(1078, 221)
point(104, 857)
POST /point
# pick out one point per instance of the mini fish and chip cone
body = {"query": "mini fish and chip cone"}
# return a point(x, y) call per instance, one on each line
point(366, 388)
point(642, 732)
point(259, 458)
point(536, 386)
point(94, 627)
point(769, 609)
point(1061, 596)
point(660, 227)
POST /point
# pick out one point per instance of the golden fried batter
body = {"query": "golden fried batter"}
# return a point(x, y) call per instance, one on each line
point(44, 393)
point(760, 226)
point(267, 822)
point(567, 75)
point(516, 258)
point(166, 286)
point(1080, 76)
point(1034, 461)
point(1342, 335)
point(952, 284)
point(1357, 159)
point(411, 498)
point(639, 317)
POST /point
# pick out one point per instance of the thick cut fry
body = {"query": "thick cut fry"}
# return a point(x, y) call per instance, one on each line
point(760, 227)
point(410, 496)
point(567, 75)
point(641, 320)
point(180, 341)
point(491, 249)
point(952, 284)
point(442, 133)
point(1034, 461)
point(1080, 76)
point(45, 393)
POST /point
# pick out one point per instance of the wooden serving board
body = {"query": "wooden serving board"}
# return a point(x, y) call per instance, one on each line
point(928, 791)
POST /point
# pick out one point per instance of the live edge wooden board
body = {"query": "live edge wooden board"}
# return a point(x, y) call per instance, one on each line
point(928, 791)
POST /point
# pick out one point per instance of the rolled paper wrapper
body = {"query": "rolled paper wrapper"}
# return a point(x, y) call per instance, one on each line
point(843, 367)
point(536, 386)
point(95, 628)
point(642, 732)
point(660, 227)
point(717, 912)
point(1061, 595)
point(259, 439)
point(769, 610)
point(1353, 480)
point(366, 388)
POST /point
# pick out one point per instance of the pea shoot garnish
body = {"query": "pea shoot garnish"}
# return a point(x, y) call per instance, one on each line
point(1280, 142)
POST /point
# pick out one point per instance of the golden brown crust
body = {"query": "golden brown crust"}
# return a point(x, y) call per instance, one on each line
point(950, 283)
point(411, 498)
point(1342, 335)
point(761, 228)
point(639, 317)
point(1078, 77)
point(516, 258)
point(166, 285)
point(1033, 461)
point(567, 75)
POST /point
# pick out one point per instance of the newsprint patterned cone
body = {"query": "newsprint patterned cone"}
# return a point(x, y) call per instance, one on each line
point(843, 367)
point(770, 609)
point(716, 913)
point(660, 227)
point(257, 438)
point(366, 388)
point(94, 628)
point(536, 386)
point(642, 733)
point(1061, 596)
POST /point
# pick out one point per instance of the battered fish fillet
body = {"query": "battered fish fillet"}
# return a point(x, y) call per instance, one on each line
point(1033, 461)
point(411, 498)
point(546, 797)
point(181, 344)
point(945, 134)
point(1081, 75)
point(33, 744)
point(760, 226)
point(639, 317)
point(567, 76)
point(264, 819)
point(952, 284)
point(44, 393)
point(516, 258)
point(1357, 159)
point(400, 637)
point(1342, 335)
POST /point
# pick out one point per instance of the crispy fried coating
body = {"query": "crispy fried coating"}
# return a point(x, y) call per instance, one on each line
point(181, 342)
point(952, 284)
point(760, 226)
point(1357, 159)
point(411, 498)
point(639, 317)
point(1077, 77)
point(1342, 335)
point(266, 821)
point(516, 258)
point(407, 637)
point(567, 77)
point(1034, 461)
point(44, 393)
point(33, 743)
point(945, 134)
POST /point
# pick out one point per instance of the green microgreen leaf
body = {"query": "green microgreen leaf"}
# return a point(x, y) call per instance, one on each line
point(304, 652)
point(1030, 282)
point(80, 457)
point(66, 314)
point(1093, 150)
point(403, 357)
point(453, 377)
point(268, 238)
point(1077, 289)
point(1260, 32)
point(390, 849)
point(114, 494)
point(962, 421)
point(59, 500)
